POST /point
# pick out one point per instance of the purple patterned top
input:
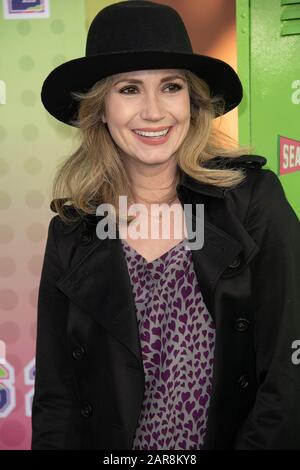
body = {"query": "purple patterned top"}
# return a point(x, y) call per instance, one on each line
point(177, 339)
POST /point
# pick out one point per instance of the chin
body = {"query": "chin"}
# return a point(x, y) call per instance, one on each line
point(155, 159)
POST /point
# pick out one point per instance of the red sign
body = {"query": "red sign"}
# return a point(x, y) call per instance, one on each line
point(289, 155)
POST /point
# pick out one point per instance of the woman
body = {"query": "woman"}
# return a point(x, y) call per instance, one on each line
point(147, 343)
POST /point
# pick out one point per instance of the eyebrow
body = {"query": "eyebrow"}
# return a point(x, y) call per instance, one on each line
point(134, 80)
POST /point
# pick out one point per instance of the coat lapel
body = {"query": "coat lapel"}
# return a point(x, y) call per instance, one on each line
point(99, 282)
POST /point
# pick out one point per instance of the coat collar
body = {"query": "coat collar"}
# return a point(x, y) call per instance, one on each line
point(97, 279)
point(194, 185)
point(243, 161)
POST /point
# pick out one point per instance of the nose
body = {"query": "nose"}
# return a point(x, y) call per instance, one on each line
point(152, 107)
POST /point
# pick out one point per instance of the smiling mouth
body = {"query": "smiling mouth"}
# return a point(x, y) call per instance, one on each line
point(152, 136)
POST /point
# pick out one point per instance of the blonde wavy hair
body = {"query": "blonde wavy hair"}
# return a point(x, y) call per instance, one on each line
point(95, 174)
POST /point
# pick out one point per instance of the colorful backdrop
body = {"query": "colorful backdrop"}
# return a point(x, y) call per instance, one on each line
point(34, 38)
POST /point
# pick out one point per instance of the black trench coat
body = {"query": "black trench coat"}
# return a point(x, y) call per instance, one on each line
point(89, 374)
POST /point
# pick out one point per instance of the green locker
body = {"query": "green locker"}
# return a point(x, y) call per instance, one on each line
point(268, 43)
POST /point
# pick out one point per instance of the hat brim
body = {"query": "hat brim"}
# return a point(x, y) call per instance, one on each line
point(79, 75)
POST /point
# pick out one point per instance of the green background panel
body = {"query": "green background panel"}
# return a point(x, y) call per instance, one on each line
point(269, 66)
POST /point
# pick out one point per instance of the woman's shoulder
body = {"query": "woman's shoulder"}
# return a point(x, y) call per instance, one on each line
point(243, 161)
point(260, 195)
point(261, 198)
point(71, 224)
point(260, 183)
point(252, 167)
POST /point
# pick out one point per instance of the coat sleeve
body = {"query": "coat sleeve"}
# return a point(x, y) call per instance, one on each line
point(54, 403)
point(274, 421)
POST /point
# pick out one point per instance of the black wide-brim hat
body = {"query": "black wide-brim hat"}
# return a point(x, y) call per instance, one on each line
point(130, 36)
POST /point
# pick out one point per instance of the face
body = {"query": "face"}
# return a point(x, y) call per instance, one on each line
point(148, 100)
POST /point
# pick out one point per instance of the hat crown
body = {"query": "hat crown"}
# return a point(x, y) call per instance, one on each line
point(137, 25)
point(135, 35)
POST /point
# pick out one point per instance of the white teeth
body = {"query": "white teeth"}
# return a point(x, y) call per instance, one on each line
point(152, 134)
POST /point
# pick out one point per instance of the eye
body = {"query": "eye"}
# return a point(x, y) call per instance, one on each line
point(179, 87)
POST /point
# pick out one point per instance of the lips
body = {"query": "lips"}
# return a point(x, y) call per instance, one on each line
point(158, 140)
point(149, 129)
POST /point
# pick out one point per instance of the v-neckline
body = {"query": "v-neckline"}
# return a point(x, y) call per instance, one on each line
point(160, 258)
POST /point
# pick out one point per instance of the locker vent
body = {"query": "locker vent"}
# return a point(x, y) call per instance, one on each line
point(290, 17)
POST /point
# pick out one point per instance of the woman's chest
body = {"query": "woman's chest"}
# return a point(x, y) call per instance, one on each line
point(152, 237)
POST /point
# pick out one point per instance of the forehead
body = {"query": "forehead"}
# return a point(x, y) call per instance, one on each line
point(144, 74)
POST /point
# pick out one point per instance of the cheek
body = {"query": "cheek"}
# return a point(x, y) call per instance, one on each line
point(117, 110)
point(187, 106)
point(183, 109)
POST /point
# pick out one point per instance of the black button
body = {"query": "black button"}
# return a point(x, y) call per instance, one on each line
point(236, 262)
point(241, 324)
point(86, 410)
point(243, 382)
point(86, 237)
point(78, 352)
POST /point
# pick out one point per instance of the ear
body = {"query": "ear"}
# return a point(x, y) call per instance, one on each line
point(103, 118)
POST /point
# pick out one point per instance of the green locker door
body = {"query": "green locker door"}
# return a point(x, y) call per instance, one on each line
point(268, 37)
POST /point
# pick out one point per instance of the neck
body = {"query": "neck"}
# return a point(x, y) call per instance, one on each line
point(153, 184)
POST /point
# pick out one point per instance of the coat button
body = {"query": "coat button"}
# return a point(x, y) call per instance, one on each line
point(236, 262)
point(86, 237)
point(241, 324)
point(86, 410)
point(78, 352)
point(243, 382)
